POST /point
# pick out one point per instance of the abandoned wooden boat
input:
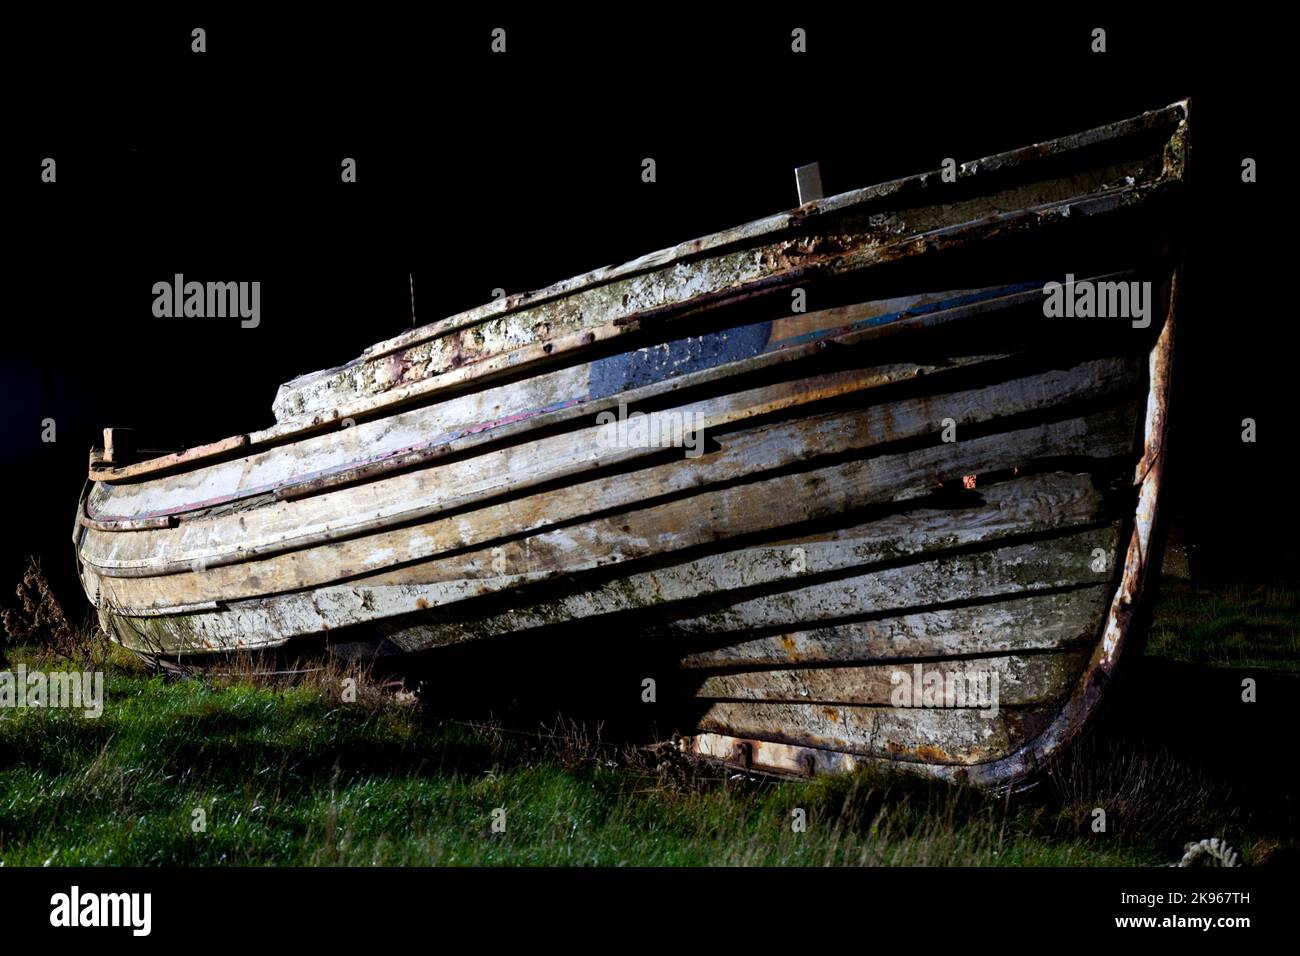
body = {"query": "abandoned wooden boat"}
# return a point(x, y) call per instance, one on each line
point(914, 443)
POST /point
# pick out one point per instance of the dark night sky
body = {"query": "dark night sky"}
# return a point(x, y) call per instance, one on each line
point(478, 171)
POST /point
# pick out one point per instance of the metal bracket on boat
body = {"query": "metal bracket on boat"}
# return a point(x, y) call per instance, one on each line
point(809, 181)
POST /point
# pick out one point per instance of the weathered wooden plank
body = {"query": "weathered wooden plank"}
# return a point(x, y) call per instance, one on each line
point(971, 682)
point(929, 735)
point(1031, 505)
point(784, 499)
point(1085, 558)
point(429, 619)
point(1021, 623)
point(224, 539)
point(771, 756)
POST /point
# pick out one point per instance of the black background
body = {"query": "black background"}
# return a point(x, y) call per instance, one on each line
point(478, 171)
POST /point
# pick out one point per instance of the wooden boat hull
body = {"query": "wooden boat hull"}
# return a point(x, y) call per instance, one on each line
point(816, 459)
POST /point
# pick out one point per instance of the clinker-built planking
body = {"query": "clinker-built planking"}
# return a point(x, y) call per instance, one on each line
point(456, 484)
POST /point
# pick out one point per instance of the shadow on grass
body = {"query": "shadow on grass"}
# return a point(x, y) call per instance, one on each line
point(287, 773)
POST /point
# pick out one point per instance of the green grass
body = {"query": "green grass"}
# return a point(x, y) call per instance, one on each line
point(291, 775)
point(1233, 625)
point(287, 773)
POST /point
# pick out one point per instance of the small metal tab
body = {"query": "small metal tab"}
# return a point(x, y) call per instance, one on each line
point(809, 180)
